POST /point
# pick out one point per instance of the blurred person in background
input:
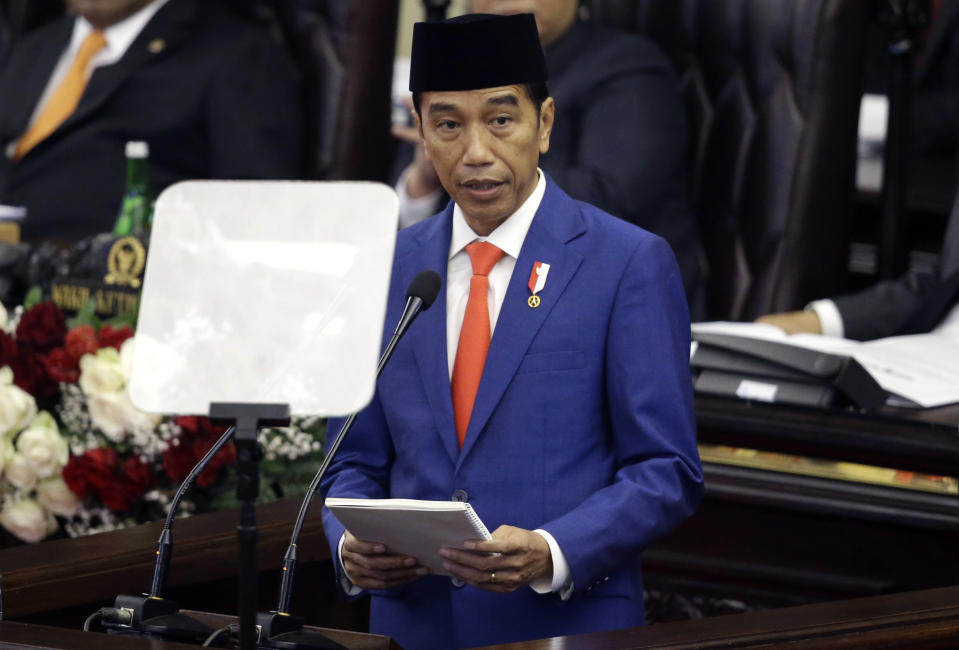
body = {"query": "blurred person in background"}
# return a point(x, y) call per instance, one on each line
point(211, 94)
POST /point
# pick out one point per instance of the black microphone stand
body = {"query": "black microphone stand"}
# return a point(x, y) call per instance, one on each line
point(903, 20)
point(151, 614)
point(436, 10)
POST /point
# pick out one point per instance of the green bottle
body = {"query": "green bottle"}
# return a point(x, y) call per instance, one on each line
point(136, 213)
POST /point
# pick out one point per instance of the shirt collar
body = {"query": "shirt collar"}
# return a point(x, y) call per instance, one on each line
point(119, 36)
point(510, 234)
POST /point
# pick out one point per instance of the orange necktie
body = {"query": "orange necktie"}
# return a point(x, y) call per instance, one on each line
point(474, 337)
point(65, 98)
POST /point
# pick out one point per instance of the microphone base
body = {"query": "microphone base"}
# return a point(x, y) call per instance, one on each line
point(157, 618)
point(285, 632)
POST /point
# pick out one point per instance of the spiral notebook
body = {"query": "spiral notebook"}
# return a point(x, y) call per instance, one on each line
point(410, 526)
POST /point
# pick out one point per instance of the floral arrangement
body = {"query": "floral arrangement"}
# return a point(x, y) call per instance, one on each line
point(77, 457)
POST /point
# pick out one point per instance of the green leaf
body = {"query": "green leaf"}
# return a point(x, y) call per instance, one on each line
point(86, 315)
point(33, 297)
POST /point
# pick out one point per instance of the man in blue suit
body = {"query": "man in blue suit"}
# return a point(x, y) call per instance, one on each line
point(550, 390)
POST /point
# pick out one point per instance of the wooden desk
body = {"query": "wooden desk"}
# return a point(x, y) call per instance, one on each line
point(917, 620)
point(773, 539)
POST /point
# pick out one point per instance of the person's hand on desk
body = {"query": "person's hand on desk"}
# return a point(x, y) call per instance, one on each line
point(794, 322)
point(369, 565)
point(514, 558)
point(421, 178)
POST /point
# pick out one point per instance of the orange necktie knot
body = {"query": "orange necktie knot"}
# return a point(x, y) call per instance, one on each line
point(483, 256)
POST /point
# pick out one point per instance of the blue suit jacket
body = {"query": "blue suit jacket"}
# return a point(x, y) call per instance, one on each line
point(583, 426)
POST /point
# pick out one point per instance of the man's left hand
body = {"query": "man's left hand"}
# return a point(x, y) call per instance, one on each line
point(511, 560)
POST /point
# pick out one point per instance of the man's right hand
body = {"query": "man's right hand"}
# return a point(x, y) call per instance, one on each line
point(369, 565)
point(794, 322)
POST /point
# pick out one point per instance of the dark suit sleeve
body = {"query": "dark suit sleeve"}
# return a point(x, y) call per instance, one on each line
point(881, 309)
point(255, 116)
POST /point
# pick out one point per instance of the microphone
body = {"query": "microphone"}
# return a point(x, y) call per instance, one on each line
point(279, 629)
point(151, 614)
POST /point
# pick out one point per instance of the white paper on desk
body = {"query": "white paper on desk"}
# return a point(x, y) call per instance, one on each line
point(920, 370)
point(923, 368)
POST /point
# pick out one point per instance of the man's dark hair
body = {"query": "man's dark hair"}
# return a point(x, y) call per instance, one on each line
point(536, 91)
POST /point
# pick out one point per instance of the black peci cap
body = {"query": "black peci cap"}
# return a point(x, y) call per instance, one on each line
point(476, 51)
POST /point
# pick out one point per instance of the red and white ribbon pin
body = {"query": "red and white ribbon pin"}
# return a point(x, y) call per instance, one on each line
point(537, 280)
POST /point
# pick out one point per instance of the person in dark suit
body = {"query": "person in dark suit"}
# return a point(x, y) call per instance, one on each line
point(916, 302)
point(620, 140)
point(550, 389)
point(212, 96)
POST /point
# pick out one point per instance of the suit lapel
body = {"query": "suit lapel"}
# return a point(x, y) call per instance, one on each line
point(429, 335)
point(169, 27)
point(556, 223)
point(33, 78)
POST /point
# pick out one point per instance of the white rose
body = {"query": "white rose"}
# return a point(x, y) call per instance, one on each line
point(116, 416)
point(43, 446)
point(54, 495)
point(107, 414)
point(101, 372)
point(19, 471)
point(17, 407)
point(6, 451)
point(27, 520)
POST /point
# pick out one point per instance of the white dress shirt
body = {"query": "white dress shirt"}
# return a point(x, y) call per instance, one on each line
point(509, 238)
point(119, 37)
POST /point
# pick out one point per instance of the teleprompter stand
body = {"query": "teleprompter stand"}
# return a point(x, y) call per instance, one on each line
point(273, 629)
point(248, 419)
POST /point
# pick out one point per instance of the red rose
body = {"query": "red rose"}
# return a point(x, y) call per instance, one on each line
point(61, 366)
point(136, 477)
point(178, 460)
point(81, 340)
point(43, 327)
point(30, 374)
point(101, 465)
point(115, 497)
point(199, 426)
point(9, 352)
point(75, 475)
point(189, 423)
point(111, 337)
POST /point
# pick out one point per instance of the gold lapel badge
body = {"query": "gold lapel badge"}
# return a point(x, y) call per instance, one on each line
point(156, 46)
